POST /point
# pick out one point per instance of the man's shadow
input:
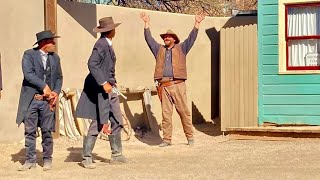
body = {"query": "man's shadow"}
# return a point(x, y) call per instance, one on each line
point(148, 131)
point(21, 156)
point(75, 155)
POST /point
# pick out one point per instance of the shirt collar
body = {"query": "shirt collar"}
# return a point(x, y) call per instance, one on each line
point(43, 53)
point(109, 41)
point(170, 48)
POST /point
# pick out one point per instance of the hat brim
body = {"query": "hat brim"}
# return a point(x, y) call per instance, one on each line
point(105, 29)
point(173, 35)
point(46, 38)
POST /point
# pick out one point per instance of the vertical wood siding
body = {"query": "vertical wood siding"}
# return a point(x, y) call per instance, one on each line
point(239, 80)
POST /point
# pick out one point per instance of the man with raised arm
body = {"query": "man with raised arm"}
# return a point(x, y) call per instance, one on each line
point(170, 75)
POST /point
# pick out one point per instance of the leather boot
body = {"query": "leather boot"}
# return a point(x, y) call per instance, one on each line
point(116, 149)
point(47, 165)
point(88, 145)
point(27, 166)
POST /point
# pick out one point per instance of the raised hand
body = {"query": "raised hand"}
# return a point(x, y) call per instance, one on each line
point(200, 17)
point(144, 17)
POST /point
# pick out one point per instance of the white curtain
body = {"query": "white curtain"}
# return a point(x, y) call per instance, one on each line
point(303, 21)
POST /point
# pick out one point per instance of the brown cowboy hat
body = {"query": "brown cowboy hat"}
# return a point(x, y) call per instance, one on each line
point(171, 33)
point(105, 24)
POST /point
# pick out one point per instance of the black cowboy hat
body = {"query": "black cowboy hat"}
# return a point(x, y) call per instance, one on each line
point(47, 34)
point(105, 24)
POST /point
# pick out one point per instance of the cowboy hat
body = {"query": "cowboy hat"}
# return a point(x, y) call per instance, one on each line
point(171, 33)
point(47, 34)
point(105, 24)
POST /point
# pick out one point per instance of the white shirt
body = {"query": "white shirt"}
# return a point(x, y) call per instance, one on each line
point(109, 41)
point(44, 57)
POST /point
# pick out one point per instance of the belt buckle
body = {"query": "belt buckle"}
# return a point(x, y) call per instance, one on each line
point(166, 79)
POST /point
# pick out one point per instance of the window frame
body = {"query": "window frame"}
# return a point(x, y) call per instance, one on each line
point(284, 67)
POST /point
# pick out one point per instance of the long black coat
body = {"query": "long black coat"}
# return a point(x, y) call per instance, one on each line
point(94, 103)
point(33, 82)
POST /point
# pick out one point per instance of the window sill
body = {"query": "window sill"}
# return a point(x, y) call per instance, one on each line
point(300, 72)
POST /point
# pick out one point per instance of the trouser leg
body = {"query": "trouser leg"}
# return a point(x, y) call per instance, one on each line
point(30, 128)
point(46, 122)
point(167, 110)
point(181, 104)
point(116, 127)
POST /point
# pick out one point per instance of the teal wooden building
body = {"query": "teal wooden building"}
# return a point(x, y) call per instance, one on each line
point(289, 61)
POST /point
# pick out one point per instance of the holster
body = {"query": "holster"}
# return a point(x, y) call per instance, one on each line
point(51, 102)
point(166, 84)
point(159, 91)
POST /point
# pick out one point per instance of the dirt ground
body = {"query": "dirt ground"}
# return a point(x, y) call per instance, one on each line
point(212, 157)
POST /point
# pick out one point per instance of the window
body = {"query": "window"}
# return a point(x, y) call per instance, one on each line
point(299, 37)
point(303, 36)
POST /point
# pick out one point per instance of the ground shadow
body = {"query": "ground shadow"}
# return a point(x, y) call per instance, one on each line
point(149, 138)
point(136, 120)
point(212, 128)
point(75, 155)
point(84, 13)
point(145, 126)
point(21, 156)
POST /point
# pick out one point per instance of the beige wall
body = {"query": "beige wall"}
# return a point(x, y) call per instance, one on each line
point(19, 24)
point(135, 63)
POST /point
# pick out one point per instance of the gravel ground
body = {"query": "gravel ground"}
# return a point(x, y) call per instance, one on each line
point(212, 157)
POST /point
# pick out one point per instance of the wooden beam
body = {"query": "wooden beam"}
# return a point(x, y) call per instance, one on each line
point(50, 15)
point(50, 23)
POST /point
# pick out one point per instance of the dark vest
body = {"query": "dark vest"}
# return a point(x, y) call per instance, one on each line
point(48, 74)
point(179, 65)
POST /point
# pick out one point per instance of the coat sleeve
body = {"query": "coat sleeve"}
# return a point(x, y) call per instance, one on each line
point(59, 81)
point(94, 64)
point(29, 72)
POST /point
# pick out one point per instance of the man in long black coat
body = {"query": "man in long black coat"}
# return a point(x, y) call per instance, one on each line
point(40, 88)
point(97, 101)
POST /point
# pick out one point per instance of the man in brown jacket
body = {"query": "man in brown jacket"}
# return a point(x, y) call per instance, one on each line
point(170, 74)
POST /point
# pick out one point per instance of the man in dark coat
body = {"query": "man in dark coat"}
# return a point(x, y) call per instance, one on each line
point(97, 101)
point(40, 88)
